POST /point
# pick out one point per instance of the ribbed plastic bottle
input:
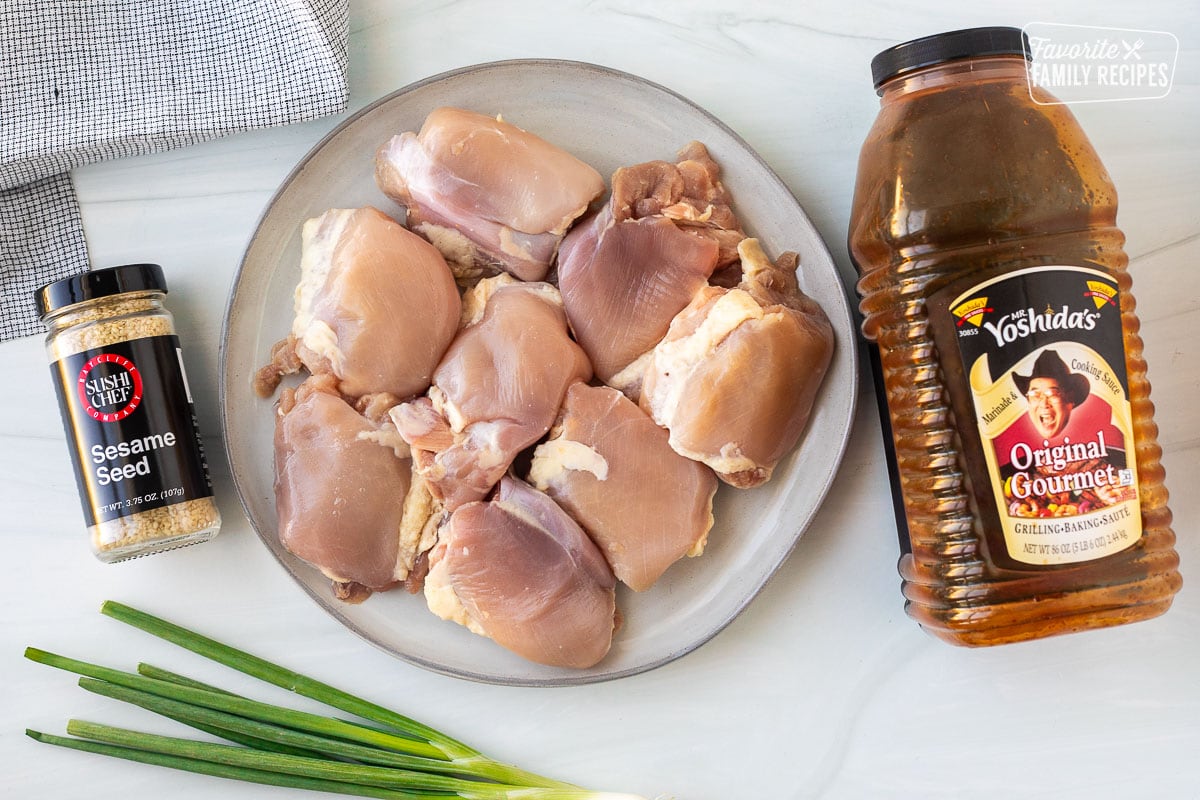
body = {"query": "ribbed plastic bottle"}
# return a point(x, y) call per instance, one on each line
point(994, 285)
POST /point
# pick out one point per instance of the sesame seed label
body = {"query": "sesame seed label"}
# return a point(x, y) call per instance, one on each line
point(136, 440)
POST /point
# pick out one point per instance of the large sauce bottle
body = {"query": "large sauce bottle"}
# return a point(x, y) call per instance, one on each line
point(994, 285)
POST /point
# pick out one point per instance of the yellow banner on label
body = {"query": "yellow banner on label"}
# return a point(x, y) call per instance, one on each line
point(1101, 293)
point(971, 311)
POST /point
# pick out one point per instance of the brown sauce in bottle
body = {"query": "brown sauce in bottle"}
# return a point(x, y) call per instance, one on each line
point(974, 207)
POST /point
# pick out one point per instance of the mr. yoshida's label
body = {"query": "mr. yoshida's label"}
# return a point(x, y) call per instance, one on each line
point(1043, 354)
point(135, 445)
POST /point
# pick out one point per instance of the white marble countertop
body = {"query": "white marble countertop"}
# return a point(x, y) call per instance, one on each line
point(822, 688)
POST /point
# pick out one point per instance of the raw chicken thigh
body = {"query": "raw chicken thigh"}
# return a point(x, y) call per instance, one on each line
point(489, 195)
point(519, 570)
point(376, 306)
point(630, 269)
point(496, 392)
point(613, 470)
point(340, 491)
point(735, 378)
point(688, 192)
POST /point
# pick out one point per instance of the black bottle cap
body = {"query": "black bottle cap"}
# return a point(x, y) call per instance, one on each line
point(100, 283)
point(930, 50)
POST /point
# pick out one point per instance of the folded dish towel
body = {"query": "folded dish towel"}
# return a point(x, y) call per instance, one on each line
point(86, 81)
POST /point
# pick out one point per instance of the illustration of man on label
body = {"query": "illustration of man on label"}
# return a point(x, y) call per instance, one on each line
point(1064, 456)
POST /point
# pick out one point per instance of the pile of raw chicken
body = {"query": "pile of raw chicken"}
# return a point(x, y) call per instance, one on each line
point(523, 396)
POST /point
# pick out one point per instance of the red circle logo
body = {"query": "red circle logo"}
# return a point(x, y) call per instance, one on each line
point(110, 387)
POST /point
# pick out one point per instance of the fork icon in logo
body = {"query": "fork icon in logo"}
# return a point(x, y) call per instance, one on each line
point(1132, 49)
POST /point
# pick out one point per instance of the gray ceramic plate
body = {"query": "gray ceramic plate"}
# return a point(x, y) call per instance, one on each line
point(608, 119)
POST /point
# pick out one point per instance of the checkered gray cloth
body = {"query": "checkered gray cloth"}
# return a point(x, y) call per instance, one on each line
point(82, 81)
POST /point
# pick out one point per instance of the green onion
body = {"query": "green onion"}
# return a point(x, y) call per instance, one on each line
point(301, 720)
point(285, 678)
point(226, 723)
point(316, 690)
point(259, 735)
point(232, 736)
point(404, 759)
point(382, 777)
point(229, 735)
point(151, 671)
point(160, 674)
point(224, 771)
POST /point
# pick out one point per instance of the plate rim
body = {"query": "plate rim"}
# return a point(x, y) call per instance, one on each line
point(564, 679)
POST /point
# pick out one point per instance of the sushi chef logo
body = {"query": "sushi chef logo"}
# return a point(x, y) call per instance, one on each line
point(1088, 64)
point(110, 387)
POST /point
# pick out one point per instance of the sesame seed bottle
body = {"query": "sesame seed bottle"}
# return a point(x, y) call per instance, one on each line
point(128, 413)
point(998, 306)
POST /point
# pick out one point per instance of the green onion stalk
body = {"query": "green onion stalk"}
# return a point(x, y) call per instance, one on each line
point(388, 756)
